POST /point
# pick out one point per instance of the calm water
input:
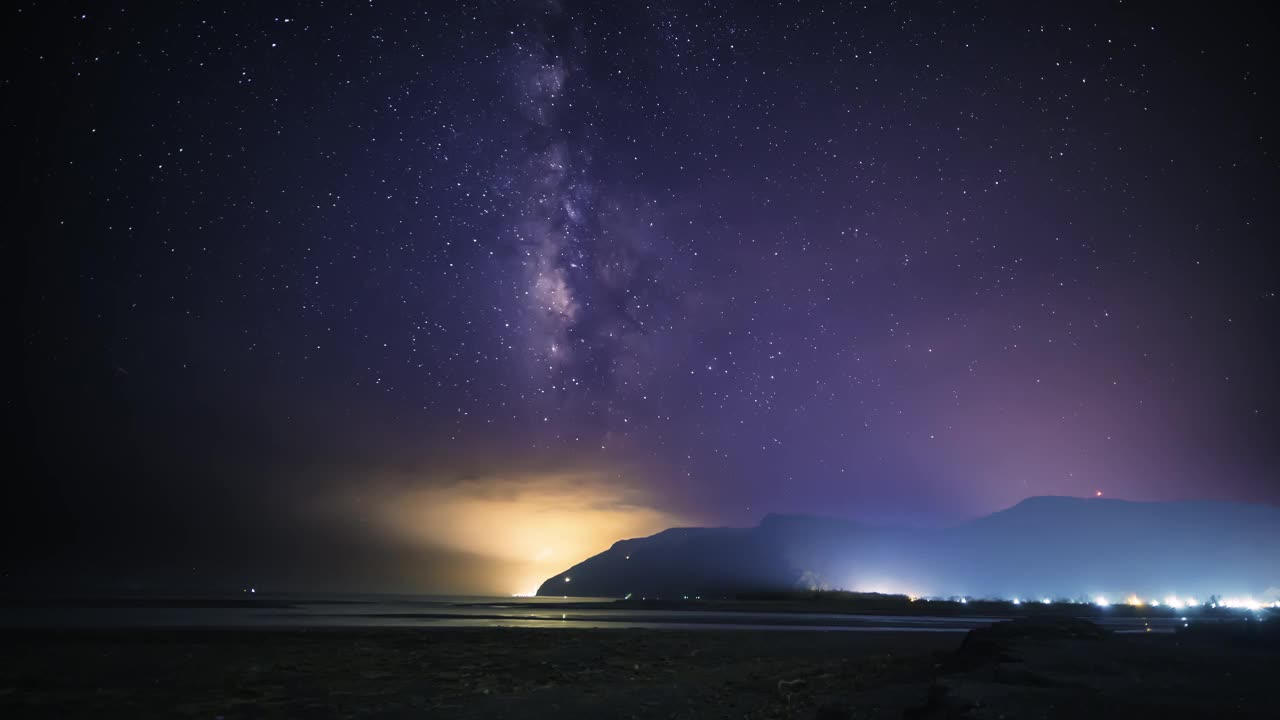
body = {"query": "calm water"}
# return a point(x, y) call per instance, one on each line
point(298, 611)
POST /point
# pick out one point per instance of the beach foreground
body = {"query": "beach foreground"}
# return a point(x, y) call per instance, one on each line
point(1028, 669)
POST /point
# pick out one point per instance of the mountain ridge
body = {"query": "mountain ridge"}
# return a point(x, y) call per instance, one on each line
point(1057, 546)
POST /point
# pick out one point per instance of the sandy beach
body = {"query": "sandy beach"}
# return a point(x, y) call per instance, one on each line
point(628, 673)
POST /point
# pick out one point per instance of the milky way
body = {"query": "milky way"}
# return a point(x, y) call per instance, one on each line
point(588, 255)
point(289, 272)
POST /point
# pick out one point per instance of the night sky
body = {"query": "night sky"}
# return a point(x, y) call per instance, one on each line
point(446, 297)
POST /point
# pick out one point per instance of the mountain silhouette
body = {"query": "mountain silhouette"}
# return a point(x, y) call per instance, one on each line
point(1057, 547)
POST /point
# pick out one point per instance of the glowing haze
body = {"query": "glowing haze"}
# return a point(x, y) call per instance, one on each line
point(516, 528)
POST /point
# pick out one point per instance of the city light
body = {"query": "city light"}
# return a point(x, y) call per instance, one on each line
point(1241, 603)
point(1104, 601)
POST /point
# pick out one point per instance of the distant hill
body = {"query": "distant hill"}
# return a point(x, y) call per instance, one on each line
point(1057, 547)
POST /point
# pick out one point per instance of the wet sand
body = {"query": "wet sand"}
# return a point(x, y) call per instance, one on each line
point(628, 673)
point(480, 673)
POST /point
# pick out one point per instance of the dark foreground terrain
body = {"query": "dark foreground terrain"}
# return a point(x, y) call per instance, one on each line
point(1028, 668)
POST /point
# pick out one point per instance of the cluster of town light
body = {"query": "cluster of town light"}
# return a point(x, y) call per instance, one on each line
point(1175, 602)
point(1172, 602)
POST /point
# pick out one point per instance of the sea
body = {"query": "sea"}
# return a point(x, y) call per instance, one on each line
point(299, 611)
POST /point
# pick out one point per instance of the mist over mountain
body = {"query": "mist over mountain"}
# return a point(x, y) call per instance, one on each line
point(1059, 547)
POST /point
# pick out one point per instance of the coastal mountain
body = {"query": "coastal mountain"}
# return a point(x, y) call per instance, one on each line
point(1058, 547)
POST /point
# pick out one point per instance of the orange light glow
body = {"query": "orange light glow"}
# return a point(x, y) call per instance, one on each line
point(516, 529)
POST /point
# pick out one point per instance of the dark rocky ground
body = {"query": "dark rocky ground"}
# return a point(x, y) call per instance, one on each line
point(1072, 669)
point(1031, 668)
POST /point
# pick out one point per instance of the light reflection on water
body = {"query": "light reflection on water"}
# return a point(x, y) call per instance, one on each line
point(468, 612)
